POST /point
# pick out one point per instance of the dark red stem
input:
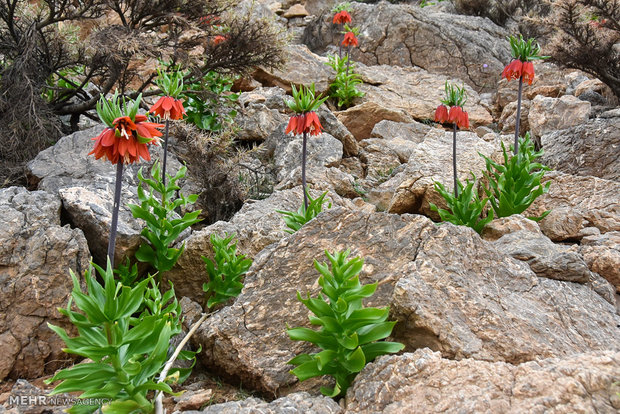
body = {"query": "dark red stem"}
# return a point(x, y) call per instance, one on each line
point(303, 170)
point(518, 121)
point(456, 186)
point(116, 208)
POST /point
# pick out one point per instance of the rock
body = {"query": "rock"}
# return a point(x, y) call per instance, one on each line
point(26, 398)
point(507, 225)
point(431, 161)
point(595, 92)
point(256, 225)
point(576, 204)
point(303, 68)
point(427, 383)
point(256, 119)
point(410, 131)
point(322, 150)
point(36, 254)
point(551, 114)
point(361, 119)
point(296, 10)
point(544, 257)
point(193, 400)
point(334, 127)
point(471, 48)
point(494, 308)
point(320, 178)
point(380, 159)
point(86, 188)
point(414, 91)
point(602, 254)
point(591, 149)
point(508, 119)
point(296, 403)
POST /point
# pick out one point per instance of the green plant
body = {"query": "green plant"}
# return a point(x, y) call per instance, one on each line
point(513, 186)
point(296, 219)
point(344, 87)
point(157, 209)
point(64, 82)
point(209, 102)
point(225, 272)
point(349, 332)
point(465, 209)
point(126, 273)
point(124, 332)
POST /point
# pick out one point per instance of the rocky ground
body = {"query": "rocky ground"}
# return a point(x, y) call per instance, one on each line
point(523, 319)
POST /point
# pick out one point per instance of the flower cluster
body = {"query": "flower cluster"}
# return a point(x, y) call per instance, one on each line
point(304, 104)
point(168, 106)
point(521, 66)
point(349, 39)
point(127, 135)
point(455, 100)
point(342, 17)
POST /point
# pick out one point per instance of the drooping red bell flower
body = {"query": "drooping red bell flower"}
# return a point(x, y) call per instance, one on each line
point(312, 124)
point(127, 141)
point(459, 117)
point(307, 122)
point(513, 70)
point(349, 40)
point(441, 114)
point(295, 125)
point(342, 17)
point(527, 71)
point(168, 108)
point(218, 39)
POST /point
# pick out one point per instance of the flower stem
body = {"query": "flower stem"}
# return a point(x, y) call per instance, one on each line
point(518, 121)
point(163, 170)
point(303, 170)
point(348, 61)
point(456, 187)
point(117, 205)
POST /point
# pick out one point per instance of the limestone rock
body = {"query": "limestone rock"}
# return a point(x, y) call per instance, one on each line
point(86, 188)
point(322, 150)
point(36, 254)
point(550, 114)
point(427, 383)
point(411, 131)
point(256, 118)
point(303, 68)
point(506, 225)
point(296, 10)
point(321, 178)
point(334, 127)
point(361, 119)
point(256, 225)
point(577, 204)
point(407, 35)
point(296, 403)
point(589, 149)
point(544, 257)
point(602, 253)
point(380, 159)
point(508, 120)
point(432, 161)
point(470, 301)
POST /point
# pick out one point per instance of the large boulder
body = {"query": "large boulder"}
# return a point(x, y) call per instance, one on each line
point(549, 114)
point(256, 225)
point(86, 188)
point(592, 148)
point(466, 301)
point(36, 254)
point(424, 382)
point(579, 206)
point(602, 254)
point(412, 190)
point(471, 48)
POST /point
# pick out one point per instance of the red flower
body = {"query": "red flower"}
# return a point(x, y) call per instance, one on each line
point(342, 17)
point(513, 70)
point(168, 108)
point(459, 117)
point(441, 114)
point(349, 40)
point(127, 141)
point(308, 122)
point(528, 72)
point(218, 39)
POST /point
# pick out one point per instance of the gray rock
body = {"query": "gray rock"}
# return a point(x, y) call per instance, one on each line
point(506, 225)
point(591, 149)
point(544, 257)
point(550, 114)
point(470, 301)
point(602, 254)
point(36, 254)
point(577, 204)
point(407, 35)
point(86, 188)
point(296, 403)
point(321, 178)
point(412, 131)
point(424, 382)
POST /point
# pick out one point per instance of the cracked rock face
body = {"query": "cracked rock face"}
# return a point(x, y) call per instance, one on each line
point(602, 253)
point(590, 149)
point(406, 35)
point(425, 382)
point(449, 290)
point(36, 254)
